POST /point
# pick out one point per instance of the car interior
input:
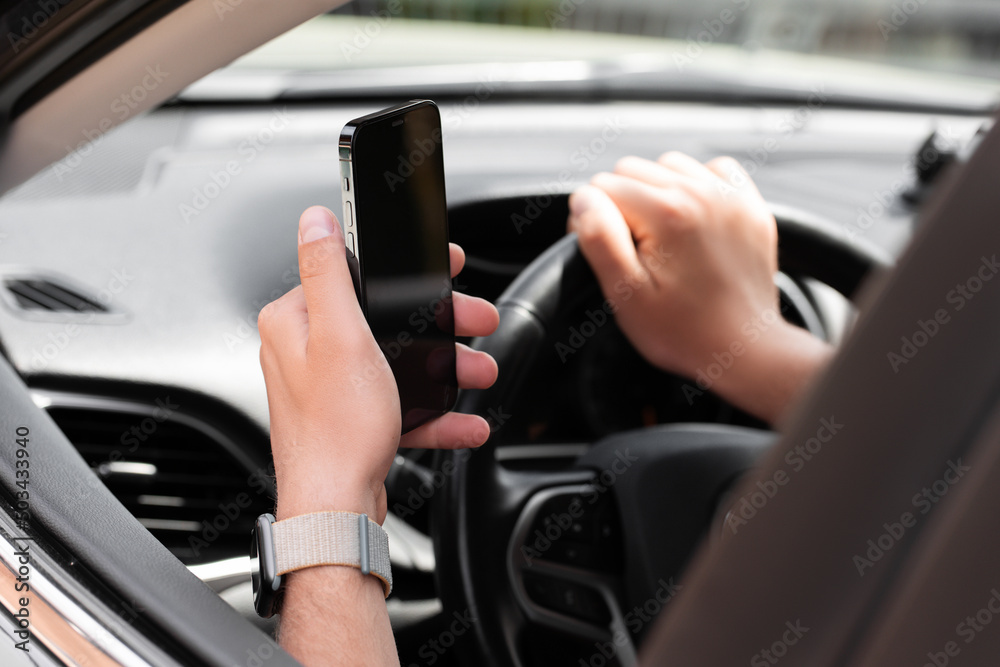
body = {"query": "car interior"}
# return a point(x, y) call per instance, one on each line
point(157, 156)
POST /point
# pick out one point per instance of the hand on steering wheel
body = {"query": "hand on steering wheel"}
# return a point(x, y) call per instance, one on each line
point(685, 254)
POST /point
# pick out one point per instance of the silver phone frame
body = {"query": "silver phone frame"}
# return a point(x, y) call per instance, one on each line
point(345, 150)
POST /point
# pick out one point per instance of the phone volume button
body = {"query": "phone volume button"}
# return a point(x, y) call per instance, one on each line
point(350, 214)
point(350, 243)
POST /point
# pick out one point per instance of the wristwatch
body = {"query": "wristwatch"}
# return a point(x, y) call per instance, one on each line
point(308, 540)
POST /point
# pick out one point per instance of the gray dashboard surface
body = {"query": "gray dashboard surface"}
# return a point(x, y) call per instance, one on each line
point(184, 220)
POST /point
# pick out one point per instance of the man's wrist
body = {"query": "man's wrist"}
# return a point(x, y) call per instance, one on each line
point(305, 494)
point(774, 371)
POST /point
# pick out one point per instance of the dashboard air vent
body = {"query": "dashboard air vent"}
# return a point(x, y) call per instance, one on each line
point(181, 483)
point(45, 295)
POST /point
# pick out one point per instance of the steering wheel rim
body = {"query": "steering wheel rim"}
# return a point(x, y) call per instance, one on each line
point(480, 504)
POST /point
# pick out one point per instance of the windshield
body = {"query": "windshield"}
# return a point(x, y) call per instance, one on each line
point(954, 36)
point(934, 54)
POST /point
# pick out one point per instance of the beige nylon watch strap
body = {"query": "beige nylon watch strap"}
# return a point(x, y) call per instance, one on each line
point(332, 538)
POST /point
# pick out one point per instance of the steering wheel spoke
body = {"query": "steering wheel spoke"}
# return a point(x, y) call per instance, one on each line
point(564, 566)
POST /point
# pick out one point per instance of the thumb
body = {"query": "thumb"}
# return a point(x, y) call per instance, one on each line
point(326, 278)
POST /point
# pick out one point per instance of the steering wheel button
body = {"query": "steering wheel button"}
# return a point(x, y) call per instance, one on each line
point(572, 599)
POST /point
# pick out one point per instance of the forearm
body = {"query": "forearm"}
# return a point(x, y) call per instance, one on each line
point(774, 372)
point(336, 616)
point(331, 615)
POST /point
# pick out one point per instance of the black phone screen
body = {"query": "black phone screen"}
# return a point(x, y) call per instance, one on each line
point(402, 227)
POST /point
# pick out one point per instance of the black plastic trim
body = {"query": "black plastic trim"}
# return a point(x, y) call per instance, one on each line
point(111, 543)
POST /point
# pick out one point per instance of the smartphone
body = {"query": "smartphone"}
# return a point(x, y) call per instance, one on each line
point(396, 231)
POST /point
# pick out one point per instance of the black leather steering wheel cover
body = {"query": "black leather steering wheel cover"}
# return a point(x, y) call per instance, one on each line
point(469, 510)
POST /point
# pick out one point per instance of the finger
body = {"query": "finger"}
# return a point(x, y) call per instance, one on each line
point(283, 324)
point(474, 316)
point(650, 172)
point(684, 164)
point(604, 236)
point(646, 209)
point(730, 171)
point(457, 258)
point(452, 430)
point(475, 369)
point(326, 279)
point(283, 315)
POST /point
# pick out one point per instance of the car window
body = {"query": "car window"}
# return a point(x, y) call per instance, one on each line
point(953, 36)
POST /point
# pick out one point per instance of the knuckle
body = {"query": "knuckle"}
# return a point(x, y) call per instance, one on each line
point(600, 179)
point(670, 157)
point(267, 320)
point(727, 166)
point(264, 318)
point(590, 230)
point(626, 164)
point(676, 207)
point(726, 161)
point(683, 214)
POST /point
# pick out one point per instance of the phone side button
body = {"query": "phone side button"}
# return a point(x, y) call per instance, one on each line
point(350, 243)
point(350, 214)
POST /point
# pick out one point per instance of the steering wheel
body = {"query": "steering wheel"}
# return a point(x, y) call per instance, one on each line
point(576, 552)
